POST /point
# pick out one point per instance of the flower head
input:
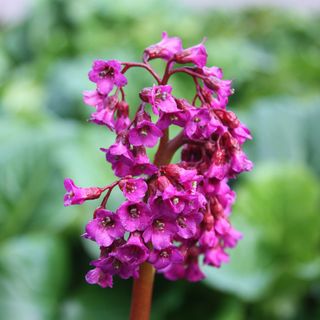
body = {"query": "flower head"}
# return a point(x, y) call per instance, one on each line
point(174, 216)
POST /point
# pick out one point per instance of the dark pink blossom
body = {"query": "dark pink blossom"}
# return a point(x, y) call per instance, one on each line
point(162, 259)
point(114, 266)
point(213, 81)
point(104, 228)
point(165, 49)
point(98, 276)
point(188, 224)
point(145, 134)
point(196, 54)
point(77, 195)
point(160, 98)
point(141, 163)
point(120, 157)
point(94, 98)
point(134, 251)
point(215, 257)
point(194, 273)
point(134, 215)
point(160, 233)
point(241, 133)
point(133, 189)
point(240, 162)
point(201, 124)
point(175, 271)
point(179, 118)
point(107, 74)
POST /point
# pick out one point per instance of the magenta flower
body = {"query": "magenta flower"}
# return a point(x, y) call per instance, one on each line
point(107, 74)
point(221, 87)
point(134, 251)
point(187, 224)
point(196, 54)
point(175, 271)
point(160, 98)
point(133, 189)
point(241, 133)
point(77, 195)
point(240, 162)
point(162, 259)
point(213, 71)
point(134, 215)
point(214, 82)
point(178, 118)
point(181, 201)
point(141, 163)
point(145, 134)
point(165, 49)
point(160, 233)
point(94, 98)
point(120, 158)
point(229, 235)
point(194, 273)
point(219, 166)
point(208, 239)
point(201, 124)
point(114, 266)
point(104, 228)
point(215, 257)
point(98, 276)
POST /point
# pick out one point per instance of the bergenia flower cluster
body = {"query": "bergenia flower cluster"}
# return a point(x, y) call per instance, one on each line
point(175, 216)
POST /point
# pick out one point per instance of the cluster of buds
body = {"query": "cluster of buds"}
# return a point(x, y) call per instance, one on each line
point(175, 216)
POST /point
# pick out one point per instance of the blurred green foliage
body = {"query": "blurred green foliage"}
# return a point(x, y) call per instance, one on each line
point(273, 57)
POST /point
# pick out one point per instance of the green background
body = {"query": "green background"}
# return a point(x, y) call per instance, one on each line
point(273, 58)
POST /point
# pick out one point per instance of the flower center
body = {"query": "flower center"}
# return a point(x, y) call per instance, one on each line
point(144, 131)
point(130, 187)
point(106, 72)
point(134, 212)
point(196, 119)
point(116, 264)
point(182, 222)
point(70, 194)
point(107, 222)
point(164, 254)
point(159, 225)
point(162, 96)
point(175, 200)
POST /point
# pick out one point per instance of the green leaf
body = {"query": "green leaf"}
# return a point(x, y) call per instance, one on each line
point(278, 130)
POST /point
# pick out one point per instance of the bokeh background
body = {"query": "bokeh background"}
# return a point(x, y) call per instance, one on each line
point(273, 56)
